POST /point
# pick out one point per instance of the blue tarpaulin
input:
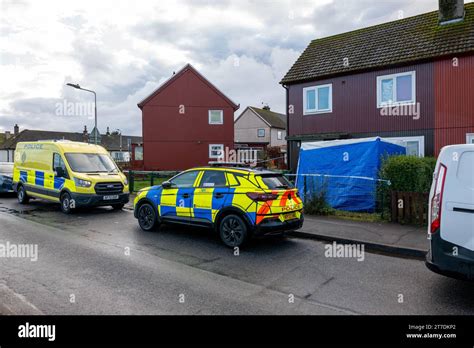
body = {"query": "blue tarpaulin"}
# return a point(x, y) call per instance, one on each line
point(346, 170)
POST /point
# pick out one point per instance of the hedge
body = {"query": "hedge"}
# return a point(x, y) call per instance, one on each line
point(408, 173)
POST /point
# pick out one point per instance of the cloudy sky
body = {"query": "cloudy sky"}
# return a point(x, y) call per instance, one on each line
point(125, 49)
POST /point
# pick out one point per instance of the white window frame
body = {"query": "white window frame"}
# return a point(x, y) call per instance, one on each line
point(279, 135)
point(381, 104)
point(317, 110)
point(469, 138)
point(420, 139)
point(222, 116)
point(258, 132)
point(210, 151)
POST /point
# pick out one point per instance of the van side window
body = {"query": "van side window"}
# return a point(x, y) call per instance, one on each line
point(59, 166)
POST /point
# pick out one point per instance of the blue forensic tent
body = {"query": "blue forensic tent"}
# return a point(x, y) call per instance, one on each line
point(346, 170)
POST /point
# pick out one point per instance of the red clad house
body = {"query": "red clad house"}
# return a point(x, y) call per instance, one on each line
point(410, 79)
point(186, 122)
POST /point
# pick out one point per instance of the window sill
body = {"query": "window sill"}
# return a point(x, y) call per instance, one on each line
point(396, 104)
point(329, 111)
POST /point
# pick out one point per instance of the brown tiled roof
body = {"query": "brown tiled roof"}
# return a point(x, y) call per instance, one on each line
point(274, 119)
point(110, 142)
point(402, 41)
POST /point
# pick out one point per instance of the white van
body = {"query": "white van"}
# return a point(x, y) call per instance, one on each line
point(451, 213)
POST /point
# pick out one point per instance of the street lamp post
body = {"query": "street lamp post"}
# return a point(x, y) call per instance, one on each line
point(76, 86)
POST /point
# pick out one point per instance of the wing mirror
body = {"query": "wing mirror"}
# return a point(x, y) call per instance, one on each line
point(166, 184)
point(60, 173)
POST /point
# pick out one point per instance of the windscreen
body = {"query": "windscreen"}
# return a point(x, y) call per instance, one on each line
point(276, 182)
point(91, 163)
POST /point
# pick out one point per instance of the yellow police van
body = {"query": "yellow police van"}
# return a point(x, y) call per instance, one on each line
point(74, 174)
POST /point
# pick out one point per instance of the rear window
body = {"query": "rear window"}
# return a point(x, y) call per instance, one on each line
point(276, 182)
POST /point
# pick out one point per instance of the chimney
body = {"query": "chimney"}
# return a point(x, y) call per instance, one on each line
point(16, 130)
point(266, 107)
point(108, 131)
point(450, 11)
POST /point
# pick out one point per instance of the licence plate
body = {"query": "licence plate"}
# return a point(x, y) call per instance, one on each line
point(111, 197)
point(289, 216)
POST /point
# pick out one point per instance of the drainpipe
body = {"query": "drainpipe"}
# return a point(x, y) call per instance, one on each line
point(288, 150)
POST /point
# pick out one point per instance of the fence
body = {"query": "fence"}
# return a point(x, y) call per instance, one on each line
point(409, 207)
point(140, 179)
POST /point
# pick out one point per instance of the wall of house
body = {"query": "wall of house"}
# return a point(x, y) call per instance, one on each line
point(246, 126)
point(355, 111)
point(274, 137)
point(354, 104)
point(176, 129)
point(454, 100)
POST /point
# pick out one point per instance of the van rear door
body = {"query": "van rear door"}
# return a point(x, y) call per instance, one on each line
point(457, 219)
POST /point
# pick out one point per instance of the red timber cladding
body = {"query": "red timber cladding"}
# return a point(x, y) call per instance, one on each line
point(175, 141)
point(355, 105)
point(454, 107)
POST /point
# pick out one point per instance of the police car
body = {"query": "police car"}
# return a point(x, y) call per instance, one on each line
point(236, 202)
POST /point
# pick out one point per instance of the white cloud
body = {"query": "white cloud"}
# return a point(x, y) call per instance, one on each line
point(124, 49)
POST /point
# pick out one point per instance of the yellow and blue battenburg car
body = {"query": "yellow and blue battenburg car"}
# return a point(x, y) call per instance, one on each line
point(71, 173)
point(236, 202)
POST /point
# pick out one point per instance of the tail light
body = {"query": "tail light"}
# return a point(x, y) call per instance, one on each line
point(437, 199)
point(262, 197)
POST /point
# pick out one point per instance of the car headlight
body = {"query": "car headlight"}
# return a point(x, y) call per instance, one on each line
point(82, 183)
point(125, 181)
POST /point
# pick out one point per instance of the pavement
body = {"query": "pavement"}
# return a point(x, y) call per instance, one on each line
point(99, 261)
point(383, 237)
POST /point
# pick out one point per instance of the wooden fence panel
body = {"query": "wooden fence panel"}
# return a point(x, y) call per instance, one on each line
point(409, 207)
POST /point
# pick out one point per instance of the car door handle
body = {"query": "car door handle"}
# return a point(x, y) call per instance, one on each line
point(219, 195)
point(463, 210)
point(185, 195)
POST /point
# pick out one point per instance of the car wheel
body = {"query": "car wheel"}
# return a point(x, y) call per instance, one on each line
point(147, 218)
point(233, 231)
point(66, 203)
point(118, 206)
point(22, 196)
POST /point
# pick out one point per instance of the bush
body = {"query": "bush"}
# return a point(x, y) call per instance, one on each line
point(408, 173)
point(317, 204)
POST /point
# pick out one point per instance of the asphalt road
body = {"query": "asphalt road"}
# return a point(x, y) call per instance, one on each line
point(102, 260)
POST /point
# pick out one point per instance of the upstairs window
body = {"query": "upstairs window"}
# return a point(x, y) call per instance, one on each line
point(216, 117)
point(396, 89)
point(279, 135)
point(261, 132)
point(317, 99)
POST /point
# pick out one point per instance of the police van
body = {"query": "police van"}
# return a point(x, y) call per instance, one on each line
point(451, 218)
point(73, 174)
